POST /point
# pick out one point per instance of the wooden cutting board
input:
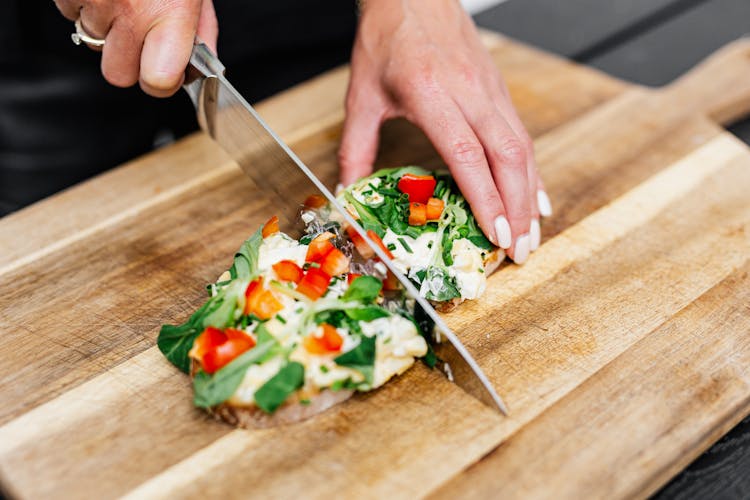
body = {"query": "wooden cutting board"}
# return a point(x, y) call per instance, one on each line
point(622, 347)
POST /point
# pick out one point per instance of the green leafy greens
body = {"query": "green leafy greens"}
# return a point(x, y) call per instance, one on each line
point(275, 391)
point(361, 358)
point(175, 341)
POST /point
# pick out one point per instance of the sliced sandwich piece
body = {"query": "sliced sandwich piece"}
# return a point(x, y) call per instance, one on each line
point(425, 223)
point(288, 332)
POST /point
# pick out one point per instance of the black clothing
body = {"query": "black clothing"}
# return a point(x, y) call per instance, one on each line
point(60, 122)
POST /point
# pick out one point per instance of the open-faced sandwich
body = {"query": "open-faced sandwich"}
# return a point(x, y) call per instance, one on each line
point(426, 226)
point(289, 331)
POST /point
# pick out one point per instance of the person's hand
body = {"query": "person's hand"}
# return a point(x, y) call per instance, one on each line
point(424, 61)
point(147, 41)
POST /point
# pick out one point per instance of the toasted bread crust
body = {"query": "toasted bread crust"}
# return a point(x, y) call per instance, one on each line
point(292, 411)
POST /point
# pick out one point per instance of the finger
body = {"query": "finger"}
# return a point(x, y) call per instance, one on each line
point(121, 57)
point(69, 8)
point(448, 130)
point(166, 53)
point(540, 204)
point(208, 25)
point(359, 140)
point(508, 162)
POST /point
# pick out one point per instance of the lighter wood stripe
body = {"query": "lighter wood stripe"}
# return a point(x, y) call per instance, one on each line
point(217, 454)
point(95, 396)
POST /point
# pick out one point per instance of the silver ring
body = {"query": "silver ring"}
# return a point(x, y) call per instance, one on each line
point(80, 36)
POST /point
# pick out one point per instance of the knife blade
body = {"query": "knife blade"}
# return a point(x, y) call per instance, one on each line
point(235, 125)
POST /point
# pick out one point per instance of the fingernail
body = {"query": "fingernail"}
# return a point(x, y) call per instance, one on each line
point(339, 189)
point(502, 229)
point(522, 249)
point(535, 235)
point(542, 200)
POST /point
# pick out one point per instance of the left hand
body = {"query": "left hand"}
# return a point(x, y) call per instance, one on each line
point(424, 61)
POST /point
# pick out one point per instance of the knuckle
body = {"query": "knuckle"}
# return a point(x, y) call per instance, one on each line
point(467, 154)
point(511, 152)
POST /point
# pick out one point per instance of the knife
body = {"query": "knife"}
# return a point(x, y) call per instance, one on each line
point(225, 116)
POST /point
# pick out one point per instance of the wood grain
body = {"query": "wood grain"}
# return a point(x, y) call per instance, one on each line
point(635, 278)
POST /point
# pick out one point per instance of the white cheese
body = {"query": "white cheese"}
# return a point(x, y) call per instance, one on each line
point(468, 269)
point(420, 250)
point(398, 343)
point(366, 195)
point(277, 247)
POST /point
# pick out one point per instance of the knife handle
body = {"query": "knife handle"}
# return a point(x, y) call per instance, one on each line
point(203, 63)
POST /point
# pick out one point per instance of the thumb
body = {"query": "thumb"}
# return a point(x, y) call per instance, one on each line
point(359, 143)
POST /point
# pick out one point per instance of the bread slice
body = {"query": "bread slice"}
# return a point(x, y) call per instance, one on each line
point(292, 411)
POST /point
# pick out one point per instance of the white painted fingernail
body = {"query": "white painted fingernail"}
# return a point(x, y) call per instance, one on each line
point(535, 234)
point(339, 189)
point(542, 200)
point(522, 249)
point(502, 229)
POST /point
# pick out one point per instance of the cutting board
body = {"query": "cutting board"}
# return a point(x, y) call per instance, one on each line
point(622, 347)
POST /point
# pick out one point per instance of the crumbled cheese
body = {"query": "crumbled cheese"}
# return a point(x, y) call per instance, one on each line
point(278, 247)
point(419, 256)
point(398, 343)
point(467, 262)
point(366, 195)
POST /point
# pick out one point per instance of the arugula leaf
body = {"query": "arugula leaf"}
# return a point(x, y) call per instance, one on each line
point(245, 264)
point(367, 219)
point(367, 313)
point(363, 289)
point(361, 358)
point(275, 391)
point(337, 318)
point(440, 286)
point(175, 341)
point(213, 390)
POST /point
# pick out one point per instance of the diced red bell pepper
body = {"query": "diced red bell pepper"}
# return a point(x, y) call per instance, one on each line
point(271, 226)
point(234, 333)
point(259, 301)
point(434, 208)
point(390, 282)
point(329, 342)
point(214, 348)
point(359, 243)
point(418, 187)
point(315, 283)
point(376, 239)
point(319, 247)
point(221, 355)
point(351, 277)
point(335, 263)
point(288, 270)
point(417, 214)
point(315, 201)
point(209, 339)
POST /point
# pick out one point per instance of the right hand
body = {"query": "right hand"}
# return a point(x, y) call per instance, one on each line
point(147, 41)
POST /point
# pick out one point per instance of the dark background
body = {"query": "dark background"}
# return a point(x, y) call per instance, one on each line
point(61, 123)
